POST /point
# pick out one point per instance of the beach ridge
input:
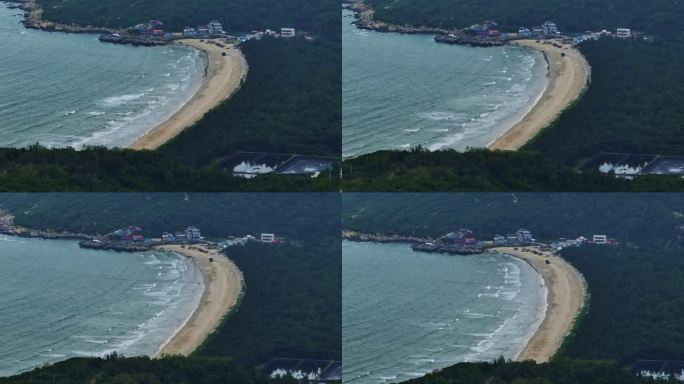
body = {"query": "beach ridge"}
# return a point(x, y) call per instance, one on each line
point(568, 78)
point(223, 288)
point(223, 77)
point(566, 296)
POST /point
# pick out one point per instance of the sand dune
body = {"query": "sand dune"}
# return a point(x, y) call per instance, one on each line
point(223, 287)
point(223, 77)
point(568, 78)
point(566, 296)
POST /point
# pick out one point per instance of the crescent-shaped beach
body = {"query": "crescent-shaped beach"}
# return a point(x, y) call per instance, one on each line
point(223, 76)
point(223, 288)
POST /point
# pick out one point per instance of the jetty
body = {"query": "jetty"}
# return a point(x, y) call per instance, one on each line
point(115, 38)
point(112, 246)
point(462, 40)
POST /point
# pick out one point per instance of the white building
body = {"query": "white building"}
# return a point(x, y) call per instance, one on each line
point(524, 32)
point(624, 33)
point(267, 237)
point(287, 32)
point(600, 239)
point(189, 31)
point(215, 28)
point(550, 28)
point(192, 233)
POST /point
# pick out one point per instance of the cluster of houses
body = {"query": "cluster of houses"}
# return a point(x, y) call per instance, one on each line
point(133, 234)
point(265, 238)
point(520, 237)
point(214, 28)
point(490, 30)
point(190, 234)
point(523, 237)
point(153, 31)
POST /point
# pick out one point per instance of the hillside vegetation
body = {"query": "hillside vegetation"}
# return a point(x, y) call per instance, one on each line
point(631, 217)
point(661, 17)
point(500, 372)
point(315, 16)
point(292, 307)
point(289, 104)
point(478, 170)
point(632, 105)
point(143, 370)
point(296, 216)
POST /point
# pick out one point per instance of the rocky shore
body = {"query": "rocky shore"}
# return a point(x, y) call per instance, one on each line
point(33, 19)
point(365, 20)
point(382, 238)
point(7, 227)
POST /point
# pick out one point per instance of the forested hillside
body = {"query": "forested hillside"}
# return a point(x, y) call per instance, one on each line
point(658, 16)
point(631, 218)
point(500, 372)
point(632, 105)
point(289, 104)
point(478, 170)
point(116, 370)
point(301, 217)
point(637, 303)
point(315, 16)
point(292, 307)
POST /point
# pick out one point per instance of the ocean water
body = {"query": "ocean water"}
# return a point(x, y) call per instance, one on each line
point(61, 89)
point(405, 313)
point(400, 91)
point(59, 301)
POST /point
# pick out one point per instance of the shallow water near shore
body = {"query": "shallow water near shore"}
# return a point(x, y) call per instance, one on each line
point(406, 313)
point(400, 91)
point(59, 301)
point(61, 89)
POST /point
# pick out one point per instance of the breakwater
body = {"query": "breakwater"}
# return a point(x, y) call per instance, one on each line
point(418, 244)
point(114, 39)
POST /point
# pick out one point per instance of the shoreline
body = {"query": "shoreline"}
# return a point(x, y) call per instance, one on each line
point(568, 77)
point(568, 74)
point(222, 78)
point(223, 287)
point(566, 292)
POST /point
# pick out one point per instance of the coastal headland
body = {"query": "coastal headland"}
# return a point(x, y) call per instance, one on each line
point(223, 288)
point(568, 77)
point(226, 70)
point(567, 291)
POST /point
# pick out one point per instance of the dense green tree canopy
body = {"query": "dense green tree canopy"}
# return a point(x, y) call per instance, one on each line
point(314, 16)
point(656, 16)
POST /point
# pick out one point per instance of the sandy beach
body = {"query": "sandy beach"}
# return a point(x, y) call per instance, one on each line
point(566, 296)
point(223, 286)
point(568, 78)
point(223, 77)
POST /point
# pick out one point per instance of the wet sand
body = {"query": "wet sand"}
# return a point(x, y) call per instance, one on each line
point(223, 77)
point(568, 78)
point(566, 297)
point(223, 287)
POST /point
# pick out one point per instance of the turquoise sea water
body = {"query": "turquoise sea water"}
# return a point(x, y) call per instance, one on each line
point(72, 90)
point(406, 313)
point(400, 91)
point(59, 301)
